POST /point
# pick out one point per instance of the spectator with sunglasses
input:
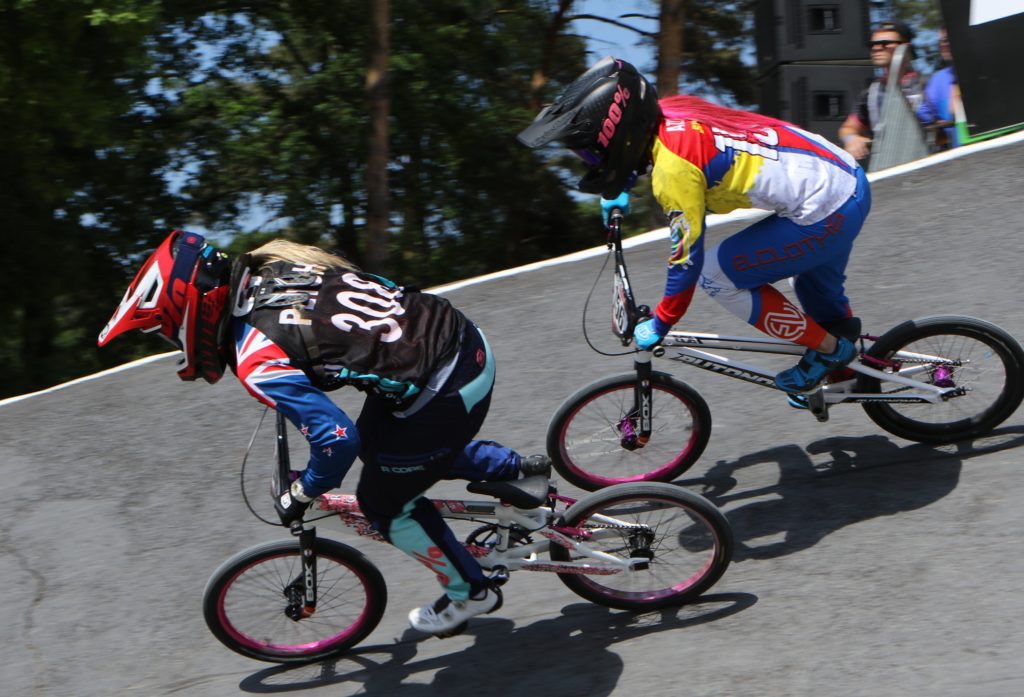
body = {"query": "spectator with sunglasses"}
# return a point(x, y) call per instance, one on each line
point(865, 122)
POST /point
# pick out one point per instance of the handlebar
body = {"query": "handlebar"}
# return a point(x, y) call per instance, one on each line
point(626, 313)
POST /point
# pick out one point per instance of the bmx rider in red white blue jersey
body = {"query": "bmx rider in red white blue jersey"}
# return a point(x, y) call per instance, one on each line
point(294, 322)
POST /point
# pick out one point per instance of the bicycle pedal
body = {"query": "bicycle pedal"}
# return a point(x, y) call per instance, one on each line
point(816, 403)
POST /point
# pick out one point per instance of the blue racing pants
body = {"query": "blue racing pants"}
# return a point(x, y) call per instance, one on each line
point(738, 271)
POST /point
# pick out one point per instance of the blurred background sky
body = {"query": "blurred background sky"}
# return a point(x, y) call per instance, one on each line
point(604, 38)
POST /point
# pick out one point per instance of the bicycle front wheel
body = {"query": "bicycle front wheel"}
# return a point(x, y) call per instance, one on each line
point(685, 540)
point(972, 354)
point(250, 600)
point(593, 438)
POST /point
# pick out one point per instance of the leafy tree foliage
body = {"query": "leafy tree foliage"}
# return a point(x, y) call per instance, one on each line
point(248, 119)
point(714, 37)
point(124, 119)
point(78, 162)
point(277, 125)
point(924, 14)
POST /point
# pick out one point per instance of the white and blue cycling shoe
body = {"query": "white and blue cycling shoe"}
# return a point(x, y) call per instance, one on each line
point(813, 368)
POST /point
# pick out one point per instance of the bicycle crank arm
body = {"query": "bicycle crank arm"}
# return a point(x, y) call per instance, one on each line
point(818, 405)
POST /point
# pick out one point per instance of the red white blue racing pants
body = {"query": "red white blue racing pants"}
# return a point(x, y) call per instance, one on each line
point(738, 271)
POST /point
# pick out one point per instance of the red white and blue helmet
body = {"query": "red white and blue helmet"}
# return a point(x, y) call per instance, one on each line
point(608, 117)
point(181, 293)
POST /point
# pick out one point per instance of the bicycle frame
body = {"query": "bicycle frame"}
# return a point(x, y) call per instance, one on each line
point(834, 393)
point(505, 519)
point(694, 349)
point(507, 554)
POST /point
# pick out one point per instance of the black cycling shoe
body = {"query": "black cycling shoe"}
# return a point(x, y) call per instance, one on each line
point(534, 465)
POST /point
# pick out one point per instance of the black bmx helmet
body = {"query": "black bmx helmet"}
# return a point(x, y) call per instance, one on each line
point(607, 116)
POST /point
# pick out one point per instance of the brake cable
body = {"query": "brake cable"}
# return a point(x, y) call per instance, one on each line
point(586, 306)
point(245, 459)
point(241, 475)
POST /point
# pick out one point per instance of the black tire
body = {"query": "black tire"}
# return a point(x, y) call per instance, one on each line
point(688, 540)
point(588, 446)
point(990, 365)
point(245, 599)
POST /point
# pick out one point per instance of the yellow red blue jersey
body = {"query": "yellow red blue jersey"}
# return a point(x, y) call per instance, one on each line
point(771, 165)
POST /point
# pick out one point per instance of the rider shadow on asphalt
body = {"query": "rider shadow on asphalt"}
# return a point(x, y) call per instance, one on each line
point(517, 658)
point(859, 477)
point(833, 483)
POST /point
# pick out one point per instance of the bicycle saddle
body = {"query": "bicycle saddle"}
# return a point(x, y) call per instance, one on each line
point(526, 493)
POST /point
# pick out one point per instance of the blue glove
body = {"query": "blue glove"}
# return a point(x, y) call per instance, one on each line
point(649, 333)
point(621, 202)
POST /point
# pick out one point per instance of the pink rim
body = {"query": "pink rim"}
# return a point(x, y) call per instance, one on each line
point(263, 646)
point(682, 587)
point(649, 476)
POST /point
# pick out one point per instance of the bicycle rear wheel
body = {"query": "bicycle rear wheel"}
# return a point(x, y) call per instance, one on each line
point(246, 601)
point(592, 438)
point(687, 541)
point(949, 351)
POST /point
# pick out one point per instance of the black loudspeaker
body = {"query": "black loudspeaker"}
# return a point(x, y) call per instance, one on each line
point(816, 97)
point(789, 31)
point(988, 52)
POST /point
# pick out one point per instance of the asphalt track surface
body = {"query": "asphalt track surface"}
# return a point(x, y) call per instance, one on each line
point(866, 565)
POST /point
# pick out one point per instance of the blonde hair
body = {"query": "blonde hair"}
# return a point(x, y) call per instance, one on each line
point(286, 250)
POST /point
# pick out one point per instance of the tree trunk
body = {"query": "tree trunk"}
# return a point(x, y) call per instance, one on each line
point(377, 248)
point(670, 47)
point(551, 36)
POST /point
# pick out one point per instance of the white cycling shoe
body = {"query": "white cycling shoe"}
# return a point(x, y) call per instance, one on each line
point(447, 617)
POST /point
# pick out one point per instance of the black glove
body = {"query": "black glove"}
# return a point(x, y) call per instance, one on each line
point(292, 504)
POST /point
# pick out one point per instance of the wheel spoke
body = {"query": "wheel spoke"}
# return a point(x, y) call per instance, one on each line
point(977, 358)
point(246, 603)
point(594, 440)
point(685, 539)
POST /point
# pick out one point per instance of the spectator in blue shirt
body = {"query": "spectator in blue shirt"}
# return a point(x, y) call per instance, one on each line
point(940, 95)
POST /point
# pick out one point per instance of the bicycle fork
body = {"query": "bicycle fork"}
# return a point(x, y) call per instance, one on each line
point(635, 426)
point(301, 593)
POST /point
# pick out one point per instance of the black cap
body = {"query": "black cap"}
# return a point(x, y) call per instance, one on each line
point(901, 28)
